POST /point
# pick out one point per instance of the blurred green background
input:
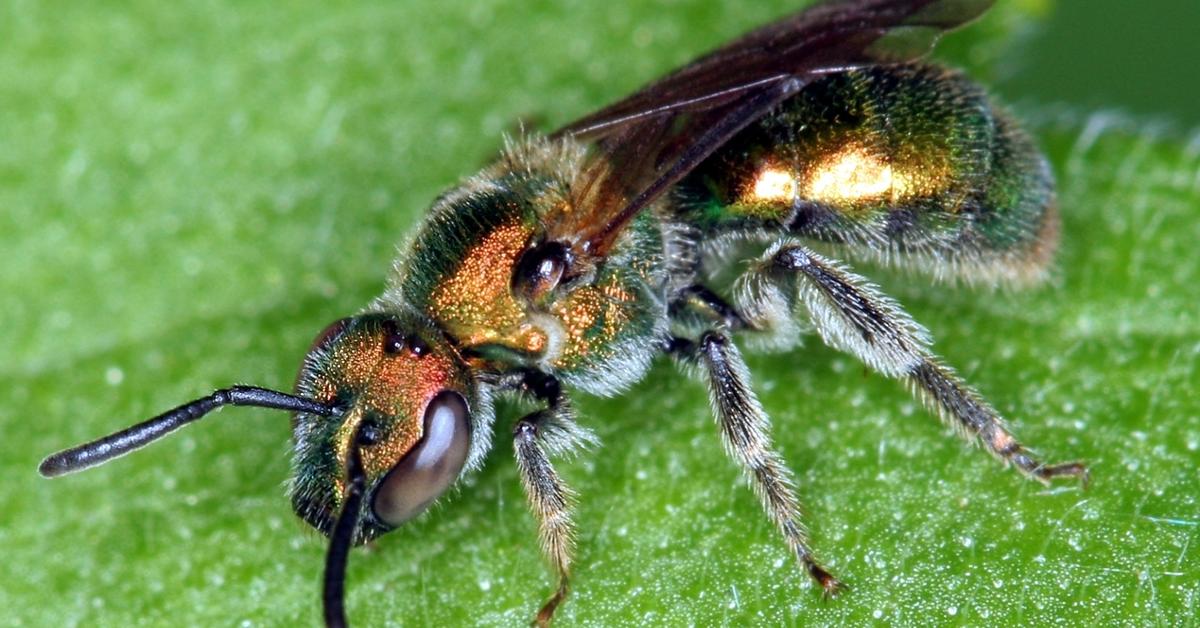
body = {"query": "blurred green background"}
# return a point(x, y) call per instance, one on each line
point(190, 191)
point(1141, 57)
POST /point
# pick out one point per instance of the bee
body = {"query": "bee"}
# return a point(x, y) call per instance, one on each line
point(577, 258)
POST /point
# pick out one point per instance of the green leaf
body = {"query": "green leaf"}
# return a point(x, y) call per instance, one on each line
point(190, 191)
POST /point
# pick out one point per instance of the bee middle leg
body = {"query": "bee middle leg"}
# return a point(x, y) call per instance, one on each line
point(746, 432)
point(551, 430)
point(852, 315)
point(701, 299)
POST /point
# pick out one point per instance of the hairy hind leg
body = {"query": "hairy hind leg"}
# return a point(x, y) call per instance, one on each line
point(852, 315)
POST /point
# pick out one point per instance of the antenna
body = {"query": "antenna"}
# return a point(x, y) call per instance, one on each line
point(342, 539)
point(120, 443)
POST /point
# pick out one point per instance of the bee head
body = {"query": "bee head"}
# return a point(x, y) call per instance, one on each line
point(401, 425)
point(386, 418)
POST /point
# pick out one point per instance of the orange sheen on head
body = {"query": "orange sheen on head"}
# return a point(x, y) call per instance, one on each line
point(396, 388)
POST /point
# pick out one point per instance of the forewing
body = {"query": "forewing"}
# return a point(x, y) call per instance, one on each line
point(651, 139)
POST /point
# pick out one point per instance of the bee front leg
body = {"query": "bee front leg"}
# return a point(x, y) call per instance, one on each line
point(549, 431)
point(852, 315)
point(746, 432)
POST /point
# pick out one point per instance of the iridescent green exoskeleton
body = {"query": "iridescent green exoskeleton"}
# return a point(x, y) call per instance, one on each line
point(576, 259)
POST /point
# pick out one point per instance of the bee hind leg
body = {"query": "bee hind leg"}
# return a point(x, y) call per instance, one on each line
point(854, 316)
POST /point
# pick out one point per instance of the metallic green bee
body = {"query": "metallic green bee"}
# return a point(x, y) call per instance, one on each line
point(575, 259)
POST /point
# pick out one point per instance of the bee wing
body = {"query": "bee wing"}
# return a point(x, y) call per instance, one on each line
point(653, 138)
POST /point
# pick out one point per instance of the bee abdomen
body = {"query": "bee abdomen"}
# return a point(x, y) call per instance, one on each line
point(907, 163)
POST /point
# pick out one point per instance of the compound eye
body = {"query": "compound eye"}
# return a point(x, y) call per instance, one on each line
point(540, 269)
point(431, 466)
point(317, 353)
point(329, 334)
